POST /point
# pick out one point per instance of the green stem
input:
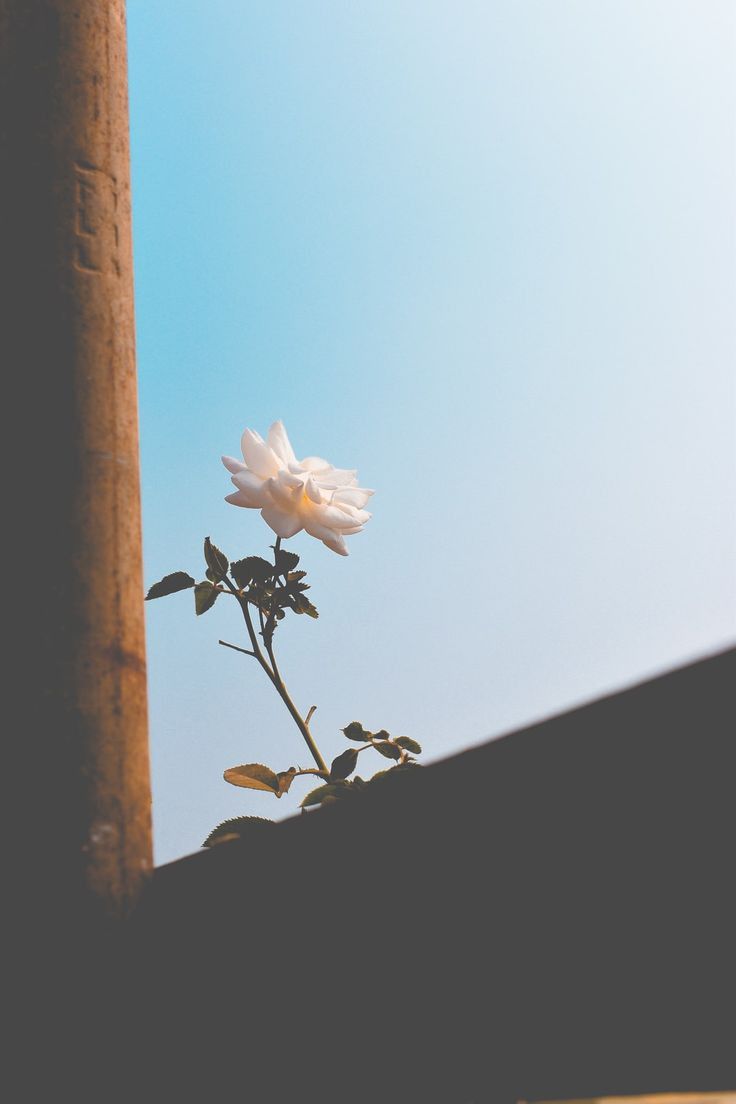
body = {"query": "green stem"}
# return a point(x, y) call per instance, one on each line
point(298, 719)
point(273, 671)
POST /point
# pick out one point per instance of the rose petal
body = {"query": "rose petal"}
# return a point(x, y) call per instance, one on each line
point(315, 464)
point(240, 498)
point(337, 544)
point(285, 498)
point(317, 528)
point(337, 518)
point(352, 496)
point(250, 487)
point(258, 456)
point(283, 524)
point(233, 465)
point(313, 491)
point(290, 480)
point(248, 481)
point(332, 539)
point(358, 517)
point(335, 477)
point(280, 444)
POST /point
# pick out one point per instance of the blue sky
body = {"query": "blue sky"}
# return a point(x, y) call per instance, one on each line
point(486, 254)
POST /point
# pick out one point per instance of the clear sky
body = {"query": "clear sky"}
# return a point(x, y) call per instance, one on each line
point(485, 252)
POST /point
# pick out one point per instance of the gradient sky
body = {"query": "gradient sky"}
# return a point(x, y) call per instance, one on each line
point(485, 252)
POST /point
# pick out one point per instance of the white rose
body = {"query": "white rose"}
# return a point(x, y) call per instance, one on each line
point(297, 494)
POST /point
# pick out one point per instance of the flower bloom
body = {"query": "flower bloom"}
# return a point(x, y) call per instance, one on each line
point(296, 494)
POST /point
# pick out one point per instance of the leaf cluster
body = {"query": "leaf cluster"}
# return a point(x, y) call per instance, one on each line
point(339, 785)
point(335, 783)
point(272, 588)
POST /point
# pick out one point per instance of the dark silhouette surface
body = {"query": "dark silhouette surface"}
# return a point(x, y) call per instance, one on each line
point(548, 915)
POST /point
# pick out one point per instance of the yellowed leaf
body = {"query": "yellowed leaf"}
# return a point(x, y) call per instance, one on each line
point(254, 776)
point(285, 779)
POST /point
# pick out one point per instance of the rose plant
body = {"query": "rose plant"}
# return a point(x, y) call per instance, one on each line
point(327, 503)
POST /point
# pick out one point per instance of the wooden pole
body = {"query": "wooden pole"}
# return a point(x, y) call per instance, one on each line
point(78, 735)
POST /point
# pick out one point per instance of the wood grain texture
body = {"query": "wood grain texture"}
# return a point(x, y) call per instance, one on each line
point(69, 347)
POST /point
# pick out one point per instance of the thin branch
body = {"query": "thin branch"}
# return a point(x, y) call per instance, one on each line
point(235, 648)
point(243, 603)
point(309, 715)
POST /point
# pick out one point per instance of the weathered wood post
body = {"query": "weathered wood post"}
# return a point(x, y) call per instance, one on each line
point(77, 736)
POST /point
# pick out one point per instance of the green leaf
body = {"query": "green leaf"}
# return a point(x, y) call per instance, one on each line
point(380, 775)
point(388, 749)
point(382, 735)
point(314, 797)
point(218, 564)
point(293, 585)
point(355, 731)
point(205, 596)
point(285, 561)
point(252, 569)
point(303, 605)
point(254, 776)
point(398, 770)
point(296, 576)
point(238, 828)
point(170, 584)
point(331, 790)
point(344, 764)
point(408, 744)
